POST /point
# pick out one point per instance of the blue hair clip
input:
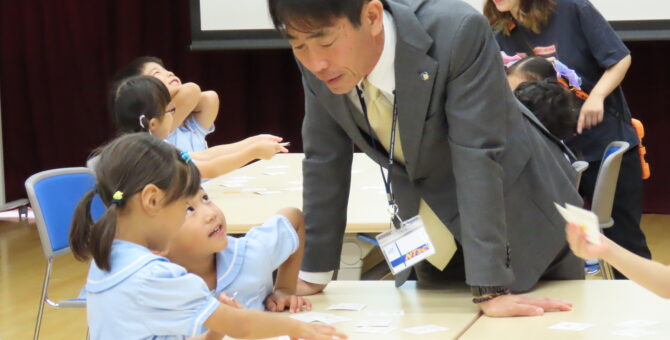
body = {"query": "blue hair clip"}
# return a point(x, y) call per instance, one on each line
point(185, 156)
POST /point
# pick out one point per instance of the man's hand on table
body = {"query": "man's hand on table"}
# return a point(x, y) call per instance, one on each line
point(518, 305)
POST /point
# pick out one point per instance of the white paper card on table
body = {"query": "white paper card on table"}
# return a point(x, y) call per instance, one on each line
point(633, 332)
point(571, 326)
point(268, 192)
point(405, 247)
point(232, 185)
point(320, 317)
point(278, 166)
point(585, 219)
point(275, 173)
point(636, 323)
point(347, 306)
point(374, 323)
point(425, 329)
point(386, 313)
point(253, 189)
point(240, 178)
point(374, 330)
point(296, 188)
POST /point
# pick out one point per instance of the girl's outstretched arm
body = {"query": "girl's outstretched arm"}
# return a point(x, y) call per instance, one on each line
point(649, 274)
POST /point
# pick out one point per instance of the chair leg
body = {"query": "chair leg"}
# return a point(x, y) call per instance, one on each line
point(607, 272)
point(43, 296)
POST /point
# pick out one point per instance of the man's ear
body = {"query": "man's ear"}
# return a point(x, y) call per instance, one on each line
point(373, 13)
point(151, 199)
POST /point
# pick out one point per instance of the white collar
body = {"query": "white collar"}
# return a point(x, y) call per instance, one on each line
point(383, 74)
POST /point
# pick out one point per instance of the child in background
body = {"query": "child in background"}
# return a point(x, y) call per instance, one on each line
point(196, 111)
point(535, 82)
point(133, 293)
point(242, 267)
point(143, 103)
point(651, 275)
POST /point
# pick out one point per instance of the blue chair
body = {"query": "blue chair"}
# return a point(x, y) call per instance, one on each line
point(54, 195)
point(603, 197)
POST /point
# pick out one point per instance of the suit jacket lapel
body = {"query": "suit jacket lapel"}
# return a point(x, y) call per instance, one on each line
point(415, 75)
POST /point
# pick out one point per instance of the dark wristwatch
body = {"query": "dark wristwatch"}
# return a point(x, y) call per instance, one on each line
point(488, 290)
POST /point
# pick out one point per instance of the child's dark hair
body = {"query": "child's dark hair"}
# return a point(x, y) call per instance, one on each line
point(135, 68)
point(126, 166)
point(553, 105)
point(137, 96)
point(534, 68)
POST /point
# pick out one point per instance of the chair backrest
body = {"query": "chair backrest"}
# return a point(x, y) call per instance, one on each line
point(608, 175)
point(580, 167)
point(54, 195)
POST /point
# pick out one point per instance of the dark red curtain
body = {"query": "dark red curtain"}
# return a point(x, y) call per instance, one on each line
point(57, 57)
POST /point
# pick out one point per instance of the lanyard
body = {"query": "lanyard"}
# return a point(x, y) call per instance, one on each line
point(393, 207)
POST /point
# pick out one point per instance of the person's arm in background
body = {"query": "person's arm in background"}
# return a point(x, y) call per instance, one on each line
point(478, 96)
point(649, 274)
point(594, 107)
point(207, 109)
point(222, 149)
point(611, 54)
point(326, 181)
point(185, 98)
point(211, 167)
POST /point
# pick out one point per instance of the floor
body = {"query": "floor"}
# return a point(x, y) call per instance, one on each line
point(22, 269)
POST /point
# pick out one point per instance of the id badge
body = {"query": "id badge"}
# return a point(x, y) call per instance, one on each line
point(406, 246)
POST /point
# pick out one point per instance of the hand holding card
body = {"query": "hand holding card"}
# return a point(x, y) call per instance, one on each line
point(586, 220)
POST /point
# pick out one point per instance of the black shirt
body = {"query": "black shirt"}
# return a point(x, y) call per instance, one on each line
point(580, 37)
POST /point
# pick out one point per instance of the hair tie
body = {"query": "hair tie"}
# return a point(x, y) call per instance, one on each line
point(142, 123)
point(117, 198)
point(185, 156)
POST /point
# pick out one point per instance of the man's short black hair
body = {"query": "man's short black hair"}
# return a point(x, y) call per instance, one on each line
point(307, 15)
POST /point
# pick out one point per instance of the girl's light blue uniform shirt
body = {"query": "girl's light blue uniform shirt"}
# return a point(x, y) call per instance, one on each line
point(246, 265)
point(190, 138)
point(145, 296)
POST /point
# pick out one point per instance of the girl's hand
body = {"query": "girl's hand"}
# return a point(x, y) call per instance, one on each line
point(583, 248)
point(309, 331)
point(265, 137)
point(591, 113)
point(229, 301)
point(266, 148)
point(279, 300)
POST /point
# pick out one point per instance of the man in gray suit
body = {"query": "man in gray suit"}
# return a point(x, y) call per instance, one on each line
point(470, 152)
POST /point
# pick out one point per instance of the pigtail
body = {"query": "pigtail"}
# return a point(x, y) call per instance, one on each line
point(102, 236)
point(80, 231)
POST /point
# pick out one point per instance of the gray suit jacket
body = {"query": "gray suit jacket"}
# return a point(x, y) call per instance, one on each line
point(484, 165)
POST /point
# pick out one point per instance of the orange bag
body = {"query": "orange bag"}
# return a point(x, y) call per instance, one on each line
point(646, 173)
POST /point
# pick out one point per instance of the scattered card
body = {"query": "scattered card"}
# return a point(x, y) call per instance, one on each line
point(232, 185)
point(275, 173)
point(253, 189)
point(386, 313)
point(347, 306)
point(374, 323)
point(633, 332)
point(296, 188)
point(267, 192)
point(585, 219)
point(285, 143)
point(374, 330)
point(278, 166)
point(636, 323)
point(571, 326)
point(425, 329)
point(320, 317)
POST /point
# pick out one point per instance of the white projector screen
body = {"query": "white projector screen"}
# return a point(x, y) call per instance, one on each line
point(222, 24)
